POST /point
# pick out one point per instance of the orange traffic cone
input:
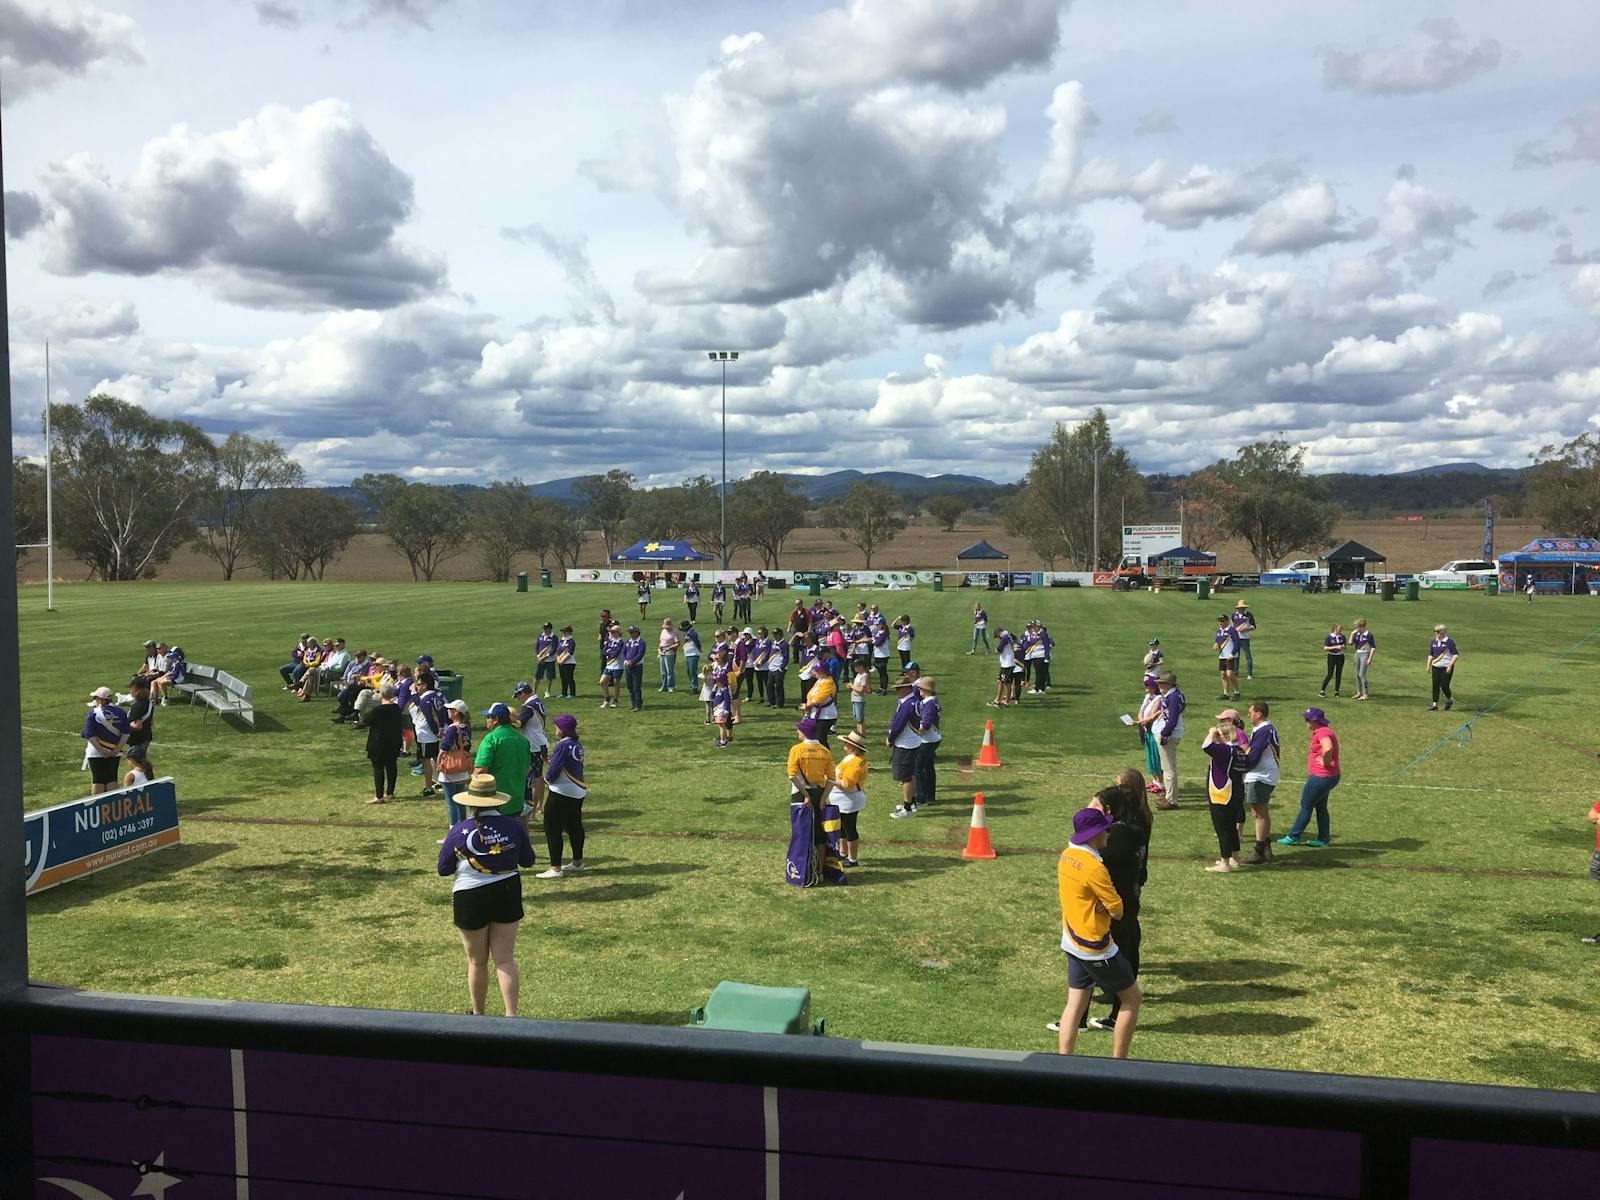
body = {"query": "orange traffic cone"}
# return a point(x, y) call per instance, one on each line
point(978, 832)
point(988, 756)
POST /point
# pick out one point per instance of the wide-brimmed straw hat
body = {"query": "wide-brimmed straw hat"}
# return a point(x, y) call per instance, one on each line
point(480, 793)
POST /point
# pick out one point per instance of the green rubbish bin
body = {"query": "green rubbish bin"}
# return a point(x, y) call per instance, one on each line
point(750, 1008)
point(522, 581)
point(1386, 589)
point(816, 587)
point(544, 577)
point(938, 581)
point(1491, 585)
point(449, 684)
point(1203, 590)
point(1413, 590)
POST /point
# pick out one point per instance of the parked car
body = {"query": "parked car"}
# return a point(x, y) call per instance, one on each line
point(1459, 573)
point(1305, 566)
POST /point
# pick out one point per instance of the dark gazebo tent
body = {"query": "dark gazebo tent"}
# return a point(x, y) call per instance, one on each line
point(1349, 561)
point(980, 554)
point(981, 551)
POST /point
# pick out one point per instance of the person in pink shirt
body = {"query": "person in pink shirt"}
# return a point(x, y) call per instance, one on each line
point(1322, 776)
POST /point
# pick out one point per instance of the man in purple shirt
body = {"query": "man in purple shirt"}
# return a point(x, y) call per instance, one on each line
point(1226, 642)
point(544, 655)
point(904, 741)
point(633, 667)
point(105, 735)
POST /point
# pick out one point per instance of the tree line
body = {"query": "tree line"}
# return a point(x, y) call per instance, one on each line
point(131, 488)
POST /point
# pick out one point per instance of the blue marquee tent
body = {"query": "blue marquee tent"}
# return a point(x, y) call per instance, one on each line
point(1186, 555)
point(982, 550)
point(1565, 563)
point(660, 551)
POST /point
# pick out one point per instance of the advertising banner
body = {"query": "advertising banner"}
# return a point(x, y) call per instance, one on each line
point(81, 837)
point(1141, 542)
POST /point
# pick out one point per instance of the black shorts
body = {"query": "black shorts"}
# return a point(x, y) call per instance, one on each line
point(104, 770)
point(1227, 664)
point(903, 763)
point(536, 764)
point(544, 670)
point(1110, 975)
point(498, 903)
point(428, 749)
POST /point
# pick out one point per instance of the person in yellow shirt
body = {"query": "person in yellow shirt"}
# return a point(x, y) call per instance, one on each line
point(1089, 903)
point(821, 704)
point(849, 794)
point(810, 770)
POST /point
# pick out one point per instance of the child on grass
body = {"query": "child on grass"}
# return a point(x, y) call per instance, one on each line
point(722, 713)
point(860, 685)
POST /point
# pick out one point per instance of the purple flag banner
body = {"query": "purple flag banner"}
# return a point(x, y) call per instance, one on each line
point(1488, 530)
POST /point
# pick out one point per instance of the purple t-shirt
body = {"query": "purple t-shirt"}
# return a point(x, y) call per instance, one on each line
point(484, 849)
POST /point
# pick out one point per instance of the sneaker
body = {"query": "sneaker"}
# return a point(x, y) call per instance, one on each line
point(440, 842)
point(1257, 858)
point(900, 812)
point(1317, 842)
point(1054, 1026)
point(1104, 1024)
point(572, 868)
point(163, 702)
point(1288, 841)
point(605, 704)
point(1591, 941)
point(1449, 704)
point(850, 862)
point(417, 770)
point(1249, 678)
point(1433, 708)
point(1222, 695)
point(1322, 695)
point(552, 873)
point(1236, 695)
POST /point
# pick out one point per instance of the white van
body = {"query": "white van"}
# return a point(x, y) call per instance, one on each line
point(1459, 573)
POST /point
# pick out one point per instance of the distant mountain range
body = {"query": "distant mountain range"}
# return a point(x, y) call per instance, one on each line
point(1449, 485)
point(822, 487)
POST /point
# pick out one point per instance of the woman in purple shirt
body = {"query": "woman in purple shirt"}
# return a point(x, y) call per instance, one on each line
point(483, 853)
point(1333, 650)
point(563, 806)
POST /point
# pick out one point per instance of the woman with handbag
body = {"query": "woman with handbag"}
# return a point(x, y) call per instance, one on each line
point(455, 758)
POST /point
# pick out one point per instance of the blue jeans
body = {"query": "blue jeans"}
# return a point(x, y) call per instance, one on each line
point(1314, 799)
point(669, 671)
point(453, 811)
point(980, 633)
point(691, 665)
point(1249, 659)
point(634, 674)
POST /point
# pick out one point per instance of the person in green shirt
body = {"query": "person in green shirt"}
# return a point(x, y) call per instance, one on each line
point(503, 752)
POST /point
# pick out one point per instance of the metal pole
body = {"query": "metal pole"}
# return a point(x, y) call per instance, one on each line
point(49, 498)
point(1096, 564)
point(16, 1111)
point(724, 464)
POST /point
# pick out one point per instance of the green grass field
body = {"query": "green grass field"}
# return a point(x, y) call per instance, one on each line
point(1437, 938)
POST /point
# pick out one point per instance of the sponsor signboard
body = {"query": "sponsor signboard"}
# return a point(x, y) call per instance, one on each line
point(1104, 578)
point(1142, 541)
point(80, 837)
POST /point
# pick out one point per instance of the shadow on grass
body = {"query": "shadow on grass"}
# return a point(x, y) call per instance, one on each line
point(1234, 1024)
point(606, 893)
point(667, 868)
point(882, 872)
point(1219, 970)
point(673, 1017)
point(606, 818)
point(149, 869)
point(1231, 993)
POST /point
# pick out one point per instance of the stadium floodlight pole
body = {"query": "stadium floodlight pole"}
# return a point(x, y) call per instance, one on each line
point(724, 357)
point(49, 499)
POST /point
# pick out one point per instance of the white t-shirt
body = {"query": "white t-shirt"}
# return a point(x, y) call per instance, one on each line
point(1266, 771)
point(419, 723)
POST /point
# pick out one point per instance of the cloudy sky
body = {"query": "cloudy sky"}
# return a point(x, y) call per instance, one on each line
point(468, 239)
